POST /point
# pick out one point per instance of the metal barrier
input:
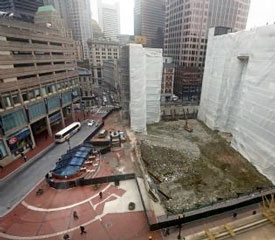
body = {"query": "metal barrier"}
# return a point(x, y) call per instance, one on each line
point(84, 182)
point(143, 204)
point(209, 213)
point(107, 179)
point(105, 150)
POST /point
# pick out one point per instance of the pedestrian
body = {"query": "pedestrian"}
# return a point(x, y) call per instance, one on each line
point(167, 232)
point(100, 195)
point(235, 215)
point(25, 158)
point(22, 154)
point(82, 230)
point(75, 215)
point(31, 146)
point(66, 236)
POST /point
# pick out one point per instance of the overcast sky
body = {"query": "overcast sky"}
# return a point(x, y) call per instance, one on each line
point(261, 12)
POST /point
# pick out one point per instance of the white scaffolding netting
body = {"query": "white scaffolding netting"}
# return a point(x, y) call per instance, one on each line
point(238, 93)
point(145, 86)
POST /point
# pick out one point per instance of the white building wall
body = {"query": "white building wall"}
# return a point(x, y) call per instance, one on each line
point(238, 93)
point(145, 86)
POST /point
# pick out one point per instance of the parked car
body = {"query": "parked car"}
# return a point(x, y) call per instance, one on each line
point(91, 123)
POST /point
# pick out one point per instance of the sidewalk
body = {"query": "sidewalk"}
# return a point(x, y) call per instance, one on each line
point(42, 142)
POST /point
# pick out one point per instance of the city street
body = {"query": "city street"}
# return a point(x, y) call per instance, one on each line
point(17, 186)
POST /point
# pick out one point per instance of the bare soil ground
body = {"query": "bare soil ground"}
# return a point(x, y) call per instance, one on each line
point(197, 168)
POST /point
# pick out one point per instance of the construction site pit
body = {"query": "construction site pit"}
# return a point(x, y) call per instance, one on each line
point(195, 169)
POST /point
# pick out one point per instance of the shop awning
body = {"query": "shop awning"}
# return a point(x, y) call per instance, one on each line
point(19, 135)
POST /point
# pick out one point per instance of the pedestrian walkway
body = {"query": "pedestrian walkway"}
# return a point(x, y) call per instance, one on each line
point(43, 141)
point(41, 144)
point(50, 215)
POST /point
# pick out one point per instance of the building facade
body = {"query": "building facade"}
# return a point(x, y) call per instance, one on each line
point(109, 19)
point(77, 15)
point(167, 84)
point(86, 83)
point(101, 50)
point(38, 83)
point(124, 83)
point(149, 19)
point(22, 10)
point(110, 75)
point(186, 30)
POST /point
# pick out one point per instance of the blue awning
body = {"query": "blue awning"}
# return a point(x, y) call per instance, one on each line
point(73, 160)
point(21, 134)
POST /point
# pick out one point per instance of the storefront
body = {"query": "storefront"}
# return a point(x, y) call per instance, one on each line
point(20, 141)
point(55, 118)
point(3, 151)
point(39, 127)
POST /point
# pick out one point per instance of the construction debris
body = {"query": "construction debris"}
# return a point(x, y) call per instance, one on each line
point(196, 169)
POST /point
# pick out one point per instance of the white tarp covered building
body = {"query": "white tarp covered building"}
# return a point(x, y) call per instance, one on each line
point(238, 93)
point(145, 86)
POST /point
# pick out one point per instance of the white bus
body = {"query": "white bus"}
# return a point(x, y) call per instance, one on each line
point(67, 132)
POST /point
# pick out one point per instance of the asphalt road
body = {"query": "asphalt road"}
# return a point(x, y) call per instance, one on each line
point(17, 186)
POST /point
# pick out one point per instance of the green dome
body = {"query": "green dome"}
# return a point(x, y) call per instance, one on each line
point(47, 8)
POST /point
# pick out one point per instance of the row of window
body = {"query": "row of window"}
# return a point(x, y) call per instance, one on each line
point(12, 99)
point(107, 49)
point(31, 41)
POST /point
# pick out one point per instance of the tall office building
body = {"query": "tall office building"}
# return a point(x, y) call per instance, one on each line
point(149, 17)
point(77, 15)
point(23, 9)
point(109, 19)
point(186, 29)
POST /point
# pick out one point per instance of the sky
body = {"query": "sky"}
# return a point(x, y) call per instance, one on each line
point(261, 12)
